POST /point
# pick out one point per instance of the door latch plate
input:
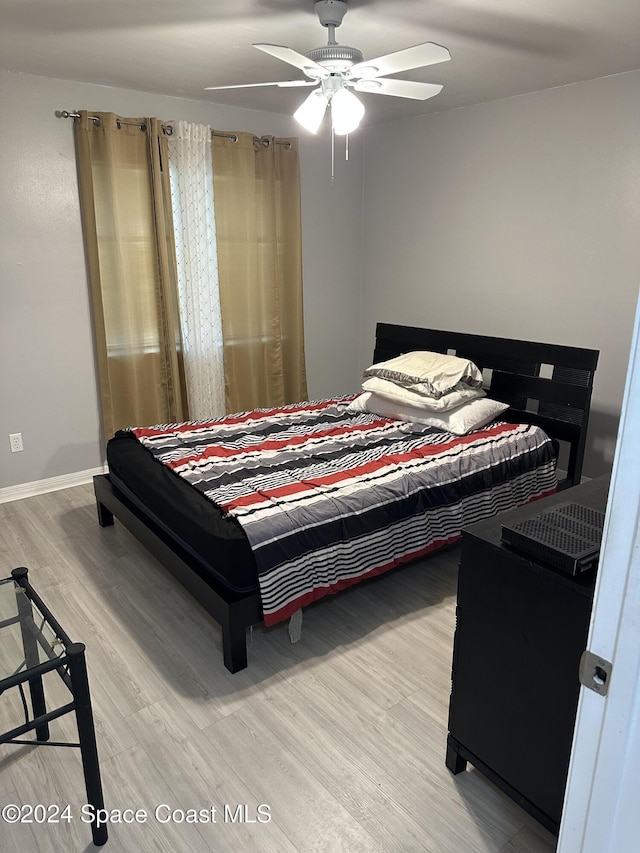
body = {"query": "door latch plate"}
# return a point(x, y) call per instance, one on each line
point(595, 672)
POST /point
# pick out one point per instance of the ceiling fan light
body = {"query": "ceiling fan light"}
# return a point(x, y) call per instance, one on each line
point(311, 111)
point(346, 112)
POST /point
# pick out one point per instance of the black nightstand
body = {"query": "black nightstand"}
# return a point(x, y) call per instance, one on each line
point(521, 630)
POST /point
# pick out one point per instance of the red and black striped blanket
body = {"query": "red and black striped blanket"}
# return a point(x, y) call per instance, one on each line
point(327, 498)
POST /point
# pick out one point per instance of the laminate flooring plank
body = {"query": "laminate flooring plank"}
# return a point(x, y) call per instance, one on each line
point(288, 713)
point(308, 813)
point(112, 653)
point(155, 634)
point(395, 759)
point(23, 542)
point(132, 781)
point(412, 612)
point(531, 839)
point(51, 777)
point(424, 712)
point(16, 836)
point(195, 778)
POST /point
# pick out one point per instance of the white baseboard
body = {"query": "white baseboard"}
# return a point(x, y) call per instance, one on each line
point(52, 484)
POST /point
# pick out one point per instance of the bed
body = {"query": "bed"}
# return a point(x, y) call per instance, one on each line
point(204, 532)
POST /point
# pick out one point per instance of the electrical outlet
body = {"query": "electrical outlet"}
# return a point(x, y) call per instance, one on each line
point(15, 440)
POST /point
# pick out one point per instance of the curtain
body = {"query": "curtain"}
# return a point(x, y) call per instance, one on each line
point(258, 226)
point(191, 175)
point(126, 213)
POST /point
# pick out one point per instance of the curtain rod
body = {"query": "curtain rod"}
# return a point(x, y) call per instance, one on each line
point(167, 129)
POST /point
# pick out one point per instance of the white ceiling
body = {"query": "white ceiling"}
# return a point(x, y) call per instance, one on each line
point(499, 48)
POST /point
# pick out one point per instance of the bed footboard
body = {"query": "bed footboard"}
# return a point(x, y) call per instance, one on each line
point(233, 612)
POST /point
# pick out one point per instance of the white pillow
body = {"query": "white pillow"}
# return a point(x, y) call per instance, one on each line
point(408, 397)
point(467, 417)
point(437, 374)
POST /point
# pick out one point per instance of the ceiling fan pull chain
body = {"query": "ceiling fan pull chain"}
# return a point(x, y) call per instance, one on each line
point(346, 147)
point(333, 153)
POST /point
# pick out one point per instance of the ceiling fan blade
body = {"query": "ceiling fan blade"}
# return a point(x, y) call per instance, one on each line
point(398, 88)
point(417, 56)
point(284, 84)
point(287, 54)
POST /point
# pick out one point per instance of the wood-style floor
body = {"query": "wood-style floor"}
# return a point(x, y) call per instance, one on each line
point(334, 744)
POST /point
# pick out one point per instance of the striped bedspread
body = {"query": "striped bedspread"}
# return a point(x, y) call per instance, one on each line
point(327, 498)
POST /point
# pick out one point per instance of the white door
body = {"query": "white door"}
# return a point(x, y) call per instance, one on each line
point(602, 802)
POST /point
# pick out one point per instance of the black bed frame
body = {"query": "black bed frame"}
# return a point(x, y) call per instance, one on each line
point(544, 384)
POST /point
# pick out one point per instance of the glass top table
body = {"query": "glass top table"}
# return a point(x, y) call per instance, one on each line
point(33, 643)
point(17, 619)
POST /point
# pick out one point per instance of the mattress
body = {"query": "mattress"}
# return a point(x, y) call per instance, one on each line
point(215, 540)
point(309, 498)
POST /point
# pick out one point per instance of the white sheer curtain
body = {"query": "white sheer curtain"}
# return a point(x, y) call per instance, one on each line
point(195, 230)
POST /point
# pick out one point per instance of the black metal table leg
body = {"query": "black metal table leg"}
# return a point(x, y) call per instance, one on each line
point(87, 737)
point(43, 646)
point(30, 646)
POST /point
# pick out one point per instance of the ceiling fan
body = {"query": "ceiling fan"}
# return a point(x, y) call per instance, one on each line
point(338, 70)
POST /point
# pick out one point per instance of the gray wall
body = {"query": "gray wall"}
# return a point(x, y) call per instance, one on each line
point(47, 378)
point(518, 218)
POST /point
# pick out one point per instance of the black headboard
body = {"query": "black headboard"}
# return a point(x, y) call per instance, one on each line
point(544, 384)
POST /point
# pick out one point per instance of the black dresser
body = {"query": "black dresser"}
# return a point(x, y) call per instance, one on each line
point(521, 629)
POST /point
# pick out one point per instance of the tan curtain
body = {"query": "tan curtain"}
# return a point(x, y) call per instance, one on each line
point(258, 226)
point(126, 213)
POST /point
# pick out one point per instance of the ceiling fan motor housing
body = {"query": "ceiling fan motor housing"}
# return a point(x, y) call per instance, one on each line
point(336, 58)
point(331, 12)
